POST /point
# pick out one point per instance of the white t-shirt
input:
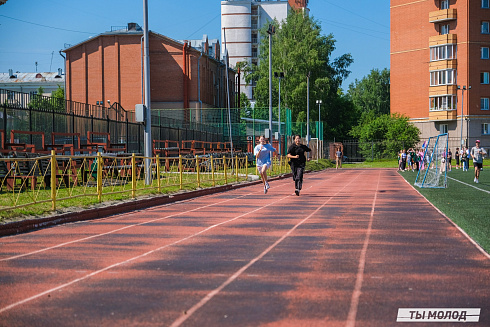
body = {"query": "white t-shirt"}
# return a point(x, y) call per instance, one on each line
point(478, 154)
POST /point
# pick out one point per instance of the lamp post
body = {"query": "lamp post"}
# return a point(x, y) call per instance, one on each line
point(463, 88)
point(280, 76)
point(308, 109)
point(319, 103)
point(146, 60)
point(270, 31)
point(252, 103)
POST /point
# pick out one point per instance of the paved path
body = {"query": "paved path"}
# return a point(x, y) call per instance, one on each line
point(355, 246)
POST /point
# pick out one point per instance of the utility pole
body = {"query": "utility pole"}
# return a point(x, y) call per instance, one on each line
point(270, 31)
point(308, 109)
point(280, 76)
point(146, 60)
point(462, 102)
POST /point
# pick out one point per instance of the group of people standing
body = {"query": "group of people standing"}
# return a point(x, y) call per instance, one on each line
point(411, 159)
point(297, 161)
point(416, 159)
point(462, 157)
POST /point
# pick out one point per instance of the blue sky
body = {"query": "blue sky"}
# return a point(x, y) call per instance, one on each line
point(34, 31)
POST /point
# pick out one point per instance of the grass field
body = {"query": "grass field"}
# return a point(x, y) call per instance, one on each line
point(383, 163)
point(466, 203)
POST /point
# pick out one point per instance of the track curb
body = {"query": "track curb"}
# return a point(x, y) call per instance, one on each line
point(30, 225)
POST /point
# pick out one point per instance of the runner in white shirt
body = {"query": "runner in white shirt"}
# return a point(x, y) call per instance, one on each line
point(477, 154)
point(262, 154)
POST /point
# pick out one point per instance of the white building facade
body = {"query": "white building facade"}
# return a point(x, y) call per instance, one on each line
point(25, 85)
point(241, 21)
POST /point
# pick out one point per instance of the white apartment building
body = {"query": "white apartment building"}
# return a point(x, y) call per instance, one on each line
point(28, 83)
point(241, 21)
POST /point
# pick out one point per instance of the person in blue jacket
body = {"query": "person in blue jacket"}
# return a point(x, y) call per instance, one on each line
point(262, 154)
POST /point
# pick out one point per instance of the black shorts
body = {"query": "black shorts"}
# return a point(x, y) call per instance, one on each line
point(478, 165)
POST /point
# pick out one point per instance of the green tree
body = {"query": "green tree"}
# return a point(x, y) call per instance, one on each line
point(383, 136)
point(371, 94)
point(56, 102)
point(299, 49)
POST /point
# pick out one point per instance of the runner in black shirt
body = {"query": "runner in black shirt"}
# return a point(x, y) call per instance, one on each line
point(296, 154)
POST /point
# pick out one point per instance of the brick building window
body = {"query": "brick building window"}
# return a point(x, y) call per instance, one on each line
point(445, 102)
point(443, 77)
point(443, 128)
point(484, 104)
point(485, 129)
point(485, 78)
point(485, 28)
point(484, 53)
point(485, 4)
point(444, 4)
point(444, 29)
point(443, 52)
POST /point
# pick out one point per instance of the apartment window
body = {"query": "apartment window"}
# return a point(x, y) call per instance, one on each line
point(443, 128)
point(485, 129)
point(254, 52)
point(443, 77)
point(445, 29)
point(445, 102)
point(484, 53)
point(484, 104)
point(485, 78)
point(444, 4)
point(485, 4)
point(485, 28)
point(443, 52)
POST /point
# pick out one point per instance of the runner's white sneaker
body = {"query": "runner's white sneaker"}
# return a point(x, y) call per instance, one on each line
point(265, 190)
point(267, 185)
point(476, 180)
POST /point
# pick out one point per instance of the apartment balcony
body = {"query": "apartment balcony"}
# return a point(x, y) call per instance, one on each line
point(443, 39)
point(444, 15)
point(443, 90)
point(451, 114)
point(443, 64)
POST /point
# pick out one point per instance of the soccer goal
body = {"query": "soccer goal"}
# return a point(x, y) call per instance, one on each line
point(433, 165)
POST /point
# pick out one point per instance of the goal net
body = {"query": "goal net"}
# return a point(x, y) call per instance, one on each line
point(433, 163)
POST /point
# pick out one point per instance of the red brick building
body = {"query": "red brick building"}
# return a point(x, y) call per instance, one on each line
point(436, 47)
point(108, 67)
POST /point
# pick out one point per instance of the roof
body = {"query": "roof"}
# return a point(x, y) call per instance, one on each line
point(47, 77)
point(125, 31)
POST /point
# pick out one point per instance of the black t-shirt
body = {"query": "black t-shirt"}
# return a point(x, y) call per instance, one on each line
point(300, 150)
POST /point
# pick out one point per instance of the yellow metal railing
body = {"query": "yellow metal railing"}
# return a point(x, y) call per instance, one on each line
point(32, 180)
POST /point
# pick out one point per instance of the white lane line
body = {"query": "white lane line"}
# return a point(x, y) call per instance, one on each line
point(479, 189)
point(354, 304)
point(233, 277)
point(122, 228)
point(117, 230)
point(478, 246)
point(13, 305)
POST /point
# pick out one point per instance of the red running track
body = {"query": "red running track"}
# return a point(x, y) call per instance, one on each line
point(355, 246)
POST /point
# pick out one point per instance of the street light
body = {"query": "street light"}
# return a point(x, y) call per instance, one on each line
point(280, 76)
point(252, 103)
point(146, 67)
point(319, 103)
point(270, 31)
point(462, 102)
point(308, 109)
